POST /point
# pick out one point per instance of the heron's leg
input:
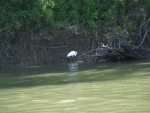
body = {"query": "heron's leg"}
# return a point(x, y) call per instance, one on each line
point(72, 59)
point(69, 59)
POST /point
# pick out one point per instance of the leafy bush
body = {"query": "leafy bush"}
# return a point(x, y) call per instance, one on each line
point(31, 15)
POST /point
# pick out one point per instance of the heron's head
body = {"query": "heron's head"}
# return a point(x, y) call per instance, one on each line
point(76, 52)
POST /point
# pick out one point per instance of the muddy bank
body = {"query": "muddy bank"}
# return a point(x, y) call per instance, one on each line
point(47, 46)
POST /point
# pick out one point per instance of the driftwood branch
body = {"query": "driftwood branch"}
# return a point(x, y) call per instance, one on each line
point(121, 47)
point(143, 34)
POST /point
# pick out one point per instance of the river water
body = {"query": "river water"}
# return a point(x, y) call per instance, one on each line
point(110, 87)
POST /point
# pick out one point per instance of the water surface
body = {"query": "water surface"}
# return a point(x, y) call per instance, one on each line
point(121, 87)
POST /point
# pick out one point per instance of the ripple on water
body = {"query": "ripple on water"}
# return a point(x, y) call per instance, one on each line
point(66, 101)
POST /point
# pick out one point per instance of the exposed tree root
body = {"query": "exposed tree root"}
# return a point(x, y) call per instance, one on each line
point(121, 47)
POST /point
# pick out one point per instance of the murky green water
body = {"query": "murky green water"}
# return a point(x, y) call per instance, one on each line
point(76, 88)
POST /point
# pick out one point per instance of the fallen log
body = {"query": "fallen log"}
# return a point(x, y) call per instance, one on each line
point(121, 47)
point(125, 52)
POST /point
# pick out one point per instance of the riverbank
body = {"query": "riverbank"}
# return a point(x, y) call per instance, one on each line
point(49, 46)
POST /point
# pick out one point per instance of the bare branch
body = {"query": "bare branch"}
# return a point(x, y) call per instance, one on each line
point(144, 37)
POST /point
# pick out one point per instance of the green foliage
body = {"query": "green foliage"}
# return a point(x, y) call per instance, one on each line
point(31, 15)
point(19, 14)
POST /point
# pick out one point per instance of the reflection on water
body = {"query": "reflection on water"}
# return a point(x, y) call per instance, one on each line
point(76, 88)
point(73, 68)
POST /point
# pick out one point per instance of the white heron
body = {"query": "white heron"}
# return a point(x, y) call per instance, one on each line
point(71, 55)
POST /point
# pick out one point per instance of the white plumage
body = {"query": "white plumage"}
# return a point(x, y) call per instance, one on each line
point(72, 54)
